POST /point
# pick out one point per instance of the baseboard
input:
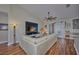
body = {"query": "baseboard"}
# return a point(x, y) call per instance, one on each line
point(12, 43)
point(76, 49)
point(4, 42)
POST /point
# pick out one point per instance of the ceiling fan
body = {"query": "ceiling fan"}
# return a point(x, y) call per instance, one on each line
point(50, 18)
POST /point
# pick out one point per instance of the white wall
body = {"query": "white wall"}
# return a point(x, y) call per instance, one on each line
point(4, 19)
point(18, 16)
point(4, 8)
point(4, 33)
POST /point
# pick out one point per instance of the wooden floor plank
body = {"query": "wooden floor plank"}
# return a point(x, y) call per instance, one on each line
point(61, 47)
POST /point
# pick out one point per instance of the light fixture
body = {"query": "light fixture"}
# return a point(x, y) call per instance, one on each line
point(14, 25)
point(50, 17)
point(14, 34)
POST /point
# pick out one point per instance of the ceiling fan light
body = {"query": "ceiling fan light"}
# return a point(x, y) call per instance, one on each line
point(50, 18)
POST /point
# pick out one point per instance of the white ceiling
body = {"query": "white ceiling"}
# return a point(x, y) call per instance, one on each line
point(58, 10)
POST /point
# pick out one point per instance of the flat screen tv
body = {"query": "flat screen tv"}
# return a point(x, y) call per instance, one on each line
point(31, 28)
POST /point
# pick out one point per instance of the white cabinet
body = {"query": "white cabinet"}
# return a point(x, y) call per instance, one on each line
point(37, 46)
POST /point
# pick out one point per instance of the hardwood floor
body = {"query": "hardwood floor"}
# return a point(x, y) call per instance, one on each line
point(61, 47)
point(11, 50)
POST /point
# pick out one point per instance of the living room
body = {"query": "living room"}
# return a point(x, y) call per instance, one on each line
point(62, 18)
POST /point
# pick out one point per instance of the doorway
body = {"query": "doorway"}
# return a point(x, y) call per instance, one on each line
point(3, 27)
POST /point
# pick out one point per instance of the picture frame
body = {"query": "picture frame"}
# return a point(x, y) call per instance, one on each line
point(75, 23)
point(3, 26)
